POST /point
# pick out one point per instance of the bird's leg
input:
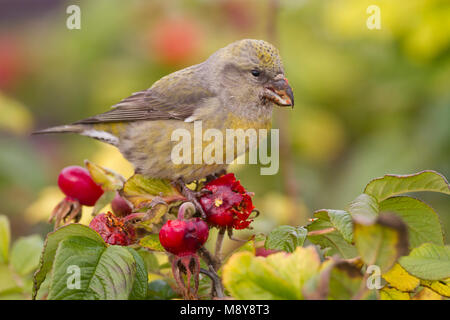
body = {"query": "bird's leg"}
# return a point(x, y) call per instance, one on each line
point(190, 195)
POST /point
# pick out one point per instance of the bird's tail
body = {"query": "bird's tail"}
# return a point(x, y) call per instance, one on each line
point(93, 131)
point(71, 128)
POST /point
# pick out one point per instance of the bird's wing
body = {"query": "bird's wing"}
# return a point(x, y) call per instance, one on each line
point(147, 105)
point(176, 96)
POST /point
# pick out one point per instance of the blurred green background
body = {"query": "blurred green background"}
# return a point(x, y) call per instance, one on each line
point(368, 102)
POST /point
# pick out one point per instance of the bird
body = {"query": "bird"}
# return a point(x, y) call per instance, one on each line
point(236, 87)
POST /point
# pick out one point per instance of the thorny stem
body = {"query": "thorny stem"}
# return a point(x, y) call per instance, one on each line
point(320, 232)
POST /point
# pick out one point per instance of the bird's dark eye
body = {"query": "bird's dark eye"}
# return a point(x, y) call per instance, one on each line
point(256, 73)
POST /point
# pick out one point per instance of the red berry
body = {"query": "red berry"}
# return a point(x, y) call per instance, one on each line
point(184, 237)
point(113, 229)
point(76, 183)
point(120, 206)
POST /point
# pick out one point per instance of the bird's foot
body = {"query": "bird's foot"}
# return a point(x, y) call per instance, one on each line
point(191, 196)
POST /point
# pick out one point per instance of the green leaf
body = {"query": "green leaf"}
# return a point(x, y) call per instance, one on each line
point(140, 190)
point(151, 242)
point(286, 238)
point(422, 221)
point(381, 243)
point(140, 284)
point(154, 215)
point(5, 238)
point(278, 276)
point(150, 259)
point(391, 185)
point(110, 273)
point(108, 179)
point(25, 254)
point(333, 242)
point(51, 244)
point(103, 201)
point(364, 207)
point(160, 290)
point(428, 262)
point(340, 219)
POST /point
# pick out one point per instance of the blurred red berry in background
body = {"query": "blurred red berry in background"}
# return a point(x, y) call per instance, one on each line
point(11, 62)
point(176, 41)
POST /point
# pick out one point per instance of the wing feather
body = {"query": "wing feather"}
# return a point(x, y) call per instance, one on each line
point(171, 97)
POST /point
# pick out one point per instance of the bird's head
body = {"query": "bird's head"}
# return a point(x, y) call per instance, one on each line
point(253, 70)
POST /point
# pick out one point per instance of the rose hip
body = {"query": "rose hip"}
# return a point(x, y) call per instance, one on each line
point(184, 237)
point(76, 183)
point(114, 230)
point(120, 206)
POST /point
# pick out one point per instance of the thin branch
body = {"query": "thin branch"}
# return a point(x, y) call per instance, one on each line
point(217, 283)
point(208, 258)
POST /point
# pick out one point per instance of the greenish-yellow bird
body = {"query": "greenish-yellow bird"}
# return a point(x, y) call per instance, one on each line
point(235, 88)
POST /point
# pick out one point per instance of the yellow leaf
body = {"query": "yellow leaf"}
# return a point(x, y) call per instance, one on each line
point(278, 276)
point(14, 116)
point(110, 157)
point(427, 294)
point(439, 286)
point(400, 279)
point(108, 179)
point(393, 294)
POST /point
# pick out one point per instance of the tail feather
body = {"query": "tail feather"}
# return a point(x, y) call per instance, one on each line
point(85, 130)
point(70, 128)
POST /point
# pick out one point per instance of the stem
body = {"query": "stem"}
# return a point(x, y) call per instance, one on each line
point(363, 288)
point(184, 208)
point(219, 242)
point(320, 232)
point(208, 258)
point(216, 282)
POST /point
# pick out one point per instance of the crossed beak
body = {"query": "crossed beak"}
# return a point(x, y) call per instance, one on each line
point(279, 92)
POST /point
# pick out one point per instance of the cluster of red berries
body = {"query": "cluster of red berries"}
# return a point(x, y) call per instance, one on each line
point(226, 204)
